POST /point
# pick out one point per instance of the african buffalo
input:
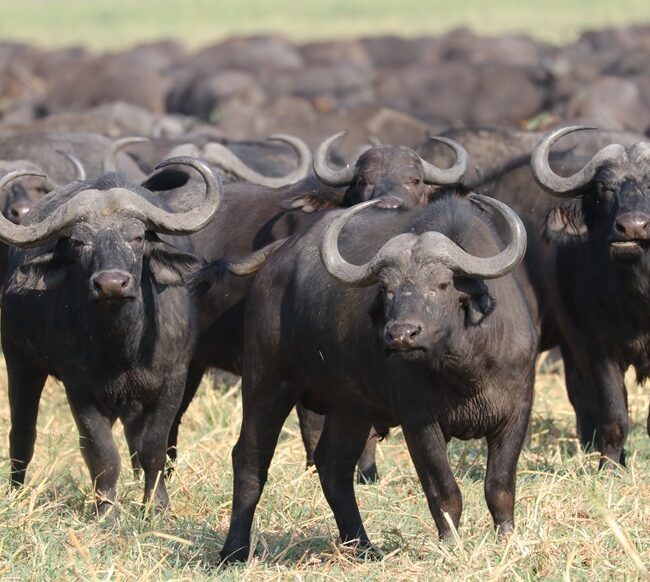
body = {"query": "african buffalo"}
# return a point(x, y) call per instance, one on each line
point(96, 298)
point(254, 216)
point(597, 283)
point(586, 293)
point(413, 336)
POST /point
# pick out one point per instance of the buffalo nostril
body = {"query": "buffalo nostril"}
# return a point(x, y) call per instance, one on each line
point(633, 225)
point(402, 335)
point(416, 331)
point(17, 212)
point(111, 284)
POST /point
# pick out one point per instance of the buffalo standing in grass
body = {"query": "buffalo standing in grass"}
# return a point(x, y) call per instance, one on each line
point(413, 336)
point(254, 216)
point(598, 282)
point(587, 262)
point(96, 298)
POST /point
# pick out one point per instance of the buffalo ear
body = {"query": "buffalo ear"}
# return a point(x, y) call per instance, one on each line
point(309, 203)
point(42, 273)
point(564, 224)
point(475, 300)
point(166, 179)
point(168, 264)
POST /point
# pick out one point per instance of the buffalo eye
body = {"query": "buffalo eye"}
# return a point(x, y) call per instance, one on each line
point(444, 285)
point(138, 240)
point(363, 182)
point(75, 242)
point(416, 181)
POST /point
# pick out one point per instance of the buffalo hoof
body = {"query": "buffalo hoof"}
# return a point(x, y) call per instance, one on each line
point(361, 550)
point(505, 529)
point(108, 514)
point(232, 557)
point(367, 475)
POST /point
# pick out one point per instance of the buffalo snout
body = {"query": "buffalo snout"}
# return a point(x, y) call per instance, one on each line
point(18, 210)
point(400, 336)
point(112, 285)
point(631, 226)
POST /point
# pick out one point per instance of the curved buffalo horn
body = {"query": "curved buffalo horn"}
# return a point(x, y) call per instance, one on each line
point(438, 246)
point(566, 187)
point(80, 171)
point(324, 172)
point(120, 202)
point(453, 175)
point(219, 155)
point(109, 164)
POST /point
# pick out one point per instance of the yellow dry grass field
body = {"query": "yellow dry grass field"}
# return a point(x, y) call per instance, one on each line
point(572, 521)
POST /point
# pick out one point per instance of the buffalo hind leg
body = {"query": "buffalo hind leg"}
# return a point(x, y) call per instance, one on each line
point(98, 450)
point(131, 420)
point(25, 389)
point(427, 447)
point(194, 376)
point(337, 453)
point(311, 427)
point(266, 405)
point(367, 466)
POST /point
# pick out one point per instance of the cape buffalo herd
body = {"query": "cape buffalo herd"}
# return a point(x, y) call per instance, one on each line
point(380, 233)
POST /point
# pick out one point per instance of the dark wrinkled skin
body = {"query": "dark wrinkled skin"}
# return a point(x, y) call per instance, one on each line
point(468, 373)
point(252, 217)
point(104, 310)
point(591, 299)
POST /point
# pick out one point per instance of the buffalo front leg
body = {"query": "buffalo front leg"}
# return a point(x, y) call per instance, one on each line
point(427, 447)
point(266, 405)
point(504, 448)
point(603, 394)
point(337, 453)
point(97, 448)
point(156, 422)
point(25, 388)
point(578, 390)
point(613, 420)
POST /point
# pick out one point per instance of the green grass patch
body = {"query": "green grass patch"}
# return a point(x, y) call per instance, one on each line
point(111, 24)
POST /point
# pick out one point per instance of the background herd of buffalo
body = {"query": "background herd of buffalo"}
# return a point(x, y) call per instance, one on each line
point(425, 290)
point(250, 88)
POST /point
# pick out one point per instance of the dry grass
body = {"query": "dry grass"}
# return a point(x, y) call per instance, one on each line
point(573, 522)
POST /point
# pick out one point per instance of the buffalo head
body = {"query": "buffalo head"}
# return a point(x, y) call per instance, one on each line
point(104, 235)
point(613, 208)
point(18, 198)
point(430, 287)
point(395, 174)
